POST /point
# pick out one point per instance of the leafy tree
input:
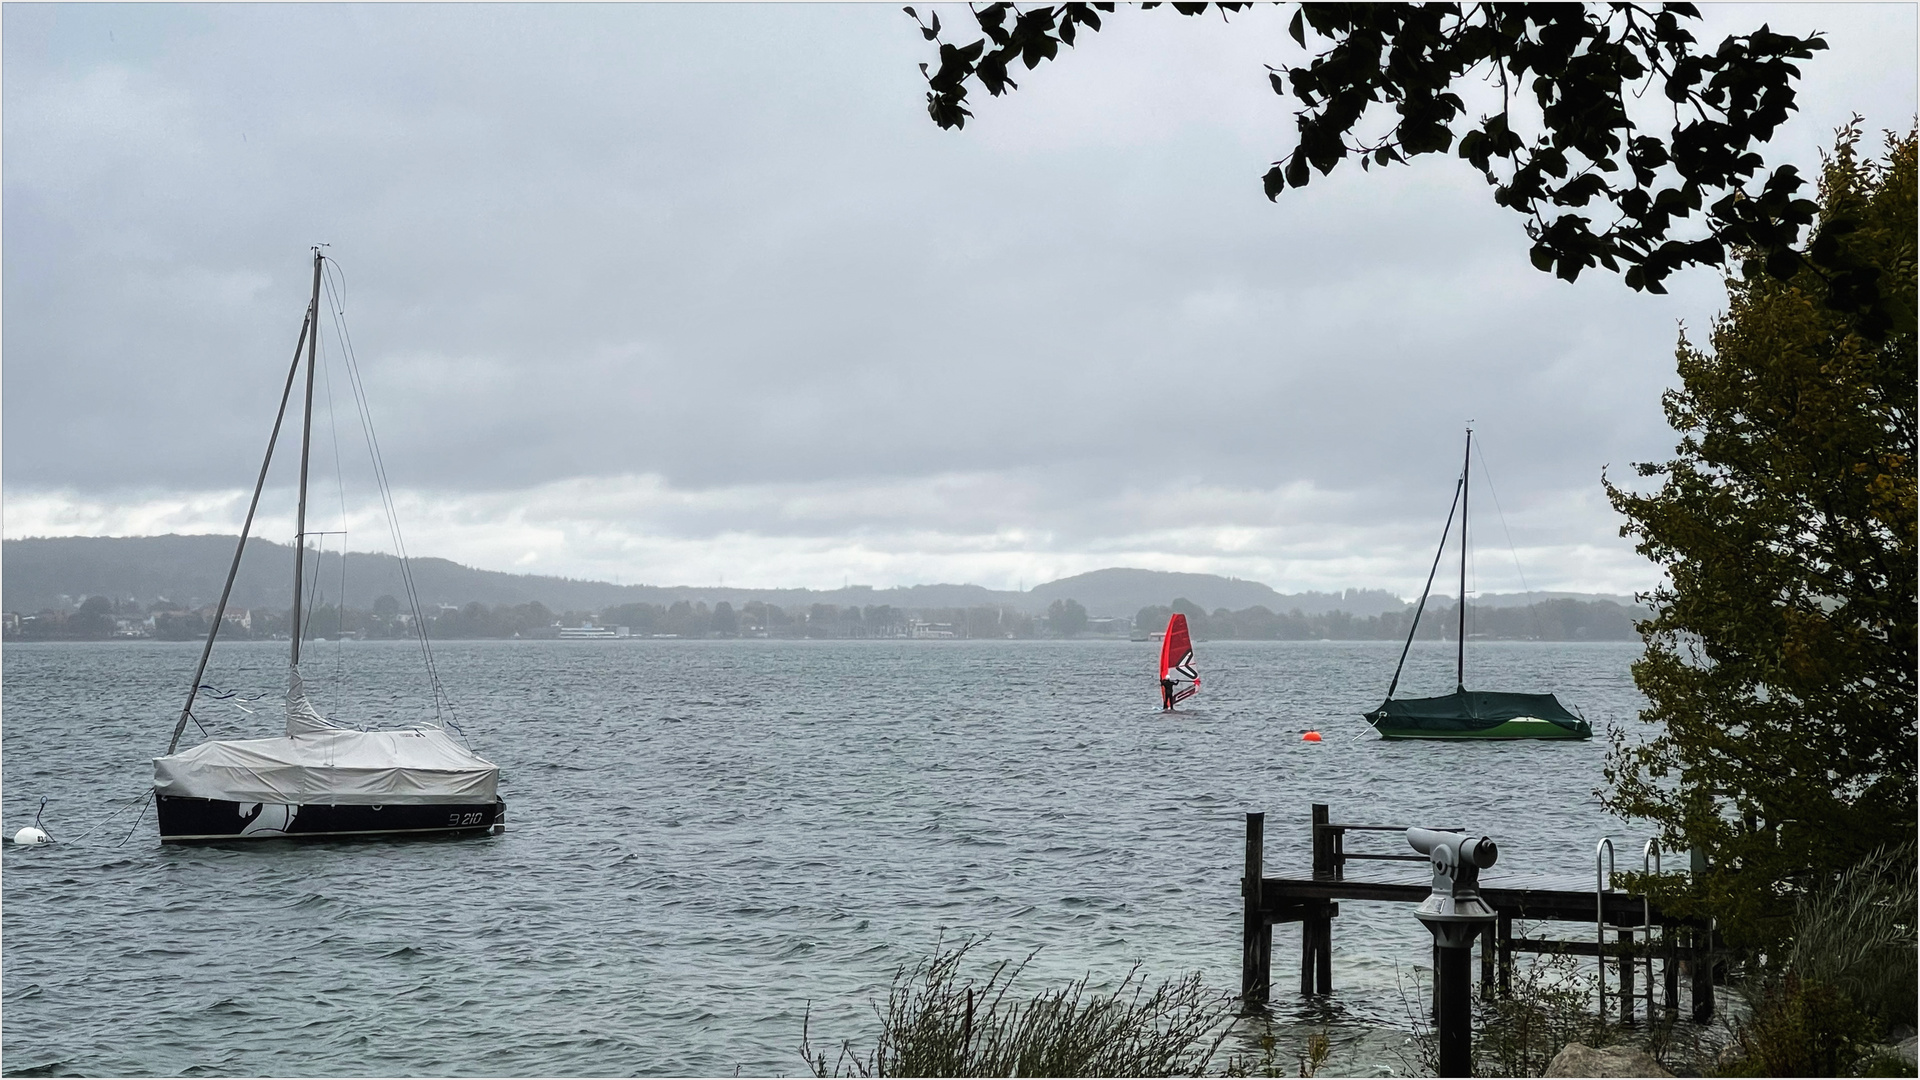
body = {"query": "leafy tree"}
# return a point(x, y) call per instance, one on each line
point(755, 615)
point(184, 625)
point(983, 622)
point(1152, 618)
point(1562, 144)
point(724, 619)
point(93, 620)
point(1197, 623)
point(1780, 658)
point(882, 619)
point(688, 619)
point(386, 607)
point(641, 618)
point(1066, 618)
point(822, 620)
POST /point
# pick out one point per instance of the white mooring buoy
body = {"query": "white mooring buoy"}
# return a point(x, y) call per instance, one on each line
point(30, 835)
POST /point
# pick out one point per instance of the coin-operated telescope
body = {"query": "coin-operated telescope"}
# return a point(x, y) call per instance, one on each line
point(1456, 914)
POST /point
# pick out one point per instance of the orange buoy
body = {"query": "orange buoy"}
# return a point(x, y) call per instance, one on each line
point(1311, 736)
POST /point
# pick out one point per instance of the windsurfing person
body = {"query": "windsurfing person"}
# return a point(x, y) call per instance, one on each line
point(1176, 664)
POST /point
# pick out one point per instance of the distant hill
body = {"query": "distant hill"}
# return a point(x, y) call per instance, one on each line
point(1123, 591)
point(1513, 600)
point(59, 572)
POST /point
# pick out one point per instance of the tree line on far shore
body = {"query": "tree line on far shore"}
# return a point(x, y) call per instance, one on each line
point(1548, 620)
point(99, 619)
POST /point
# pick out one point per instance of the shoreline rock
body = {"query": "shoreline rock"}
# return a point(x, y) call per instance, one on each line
point(1577, 1059)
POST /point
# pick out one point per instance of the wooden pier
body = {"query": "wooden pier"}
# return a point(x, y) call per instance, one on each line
point(1643, 934)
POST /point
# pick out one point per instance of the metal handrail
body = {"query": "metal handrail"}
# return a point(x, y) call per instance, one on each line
point(1602, 885)
point(1338, 854)
point(1649, 869)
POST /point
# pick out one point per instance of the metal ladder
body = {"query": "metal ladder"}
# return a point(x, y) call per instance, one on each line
point(1641, 936)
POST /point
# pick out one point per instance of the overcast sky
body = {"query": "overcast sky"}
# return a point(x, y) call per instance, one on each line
point(692, 294)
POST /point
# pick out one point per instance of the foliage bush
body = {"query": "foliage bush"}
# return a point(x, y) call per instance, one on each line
point(1550, 1006)
point(1801, 1027)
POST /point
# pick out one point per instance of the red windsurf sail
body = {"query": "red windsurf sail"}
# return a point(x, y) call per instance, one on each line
point(1178, 679)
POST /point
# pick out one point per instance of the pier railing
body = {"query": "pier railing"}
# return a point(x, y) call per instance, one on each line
point(1330, 854)
point(1643, 934)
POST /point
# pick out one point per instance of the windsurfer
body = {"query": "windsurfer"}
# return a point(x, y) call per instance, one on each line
point(1176, 658)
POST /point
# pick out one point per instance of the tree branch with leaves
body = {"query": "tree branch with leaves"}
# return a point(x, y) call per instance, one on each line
point(1594, 187)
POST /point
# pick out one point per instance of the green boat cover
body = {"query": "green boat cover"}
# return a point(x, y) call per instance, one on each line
point(1466, 711)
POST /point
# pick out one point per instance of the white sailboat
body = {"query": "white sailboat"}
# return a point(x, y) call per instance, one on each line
point(321, 778)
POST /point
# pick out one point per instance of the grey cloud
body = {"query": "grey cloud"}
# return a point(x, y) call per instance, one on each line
point(723, 245)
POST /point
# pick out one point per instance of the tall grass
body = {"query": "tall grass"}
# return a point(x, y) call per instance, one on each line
point(940, 1020)
point(1857, 936)
point(1847, 979)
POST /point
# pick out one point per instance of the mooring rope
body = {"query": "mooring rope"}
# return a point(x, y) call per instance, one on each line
point(137, 819)
point(142, 801)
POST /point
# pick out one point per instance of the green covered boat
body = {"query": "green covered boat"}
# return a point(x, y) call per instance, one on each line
point(1469, 714)
point(1478, 714)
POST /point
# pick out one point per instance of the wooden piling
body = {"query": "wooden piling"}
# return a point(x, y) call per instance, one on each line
point(1256, 936)
point(1316, 923)
point(1701, 961)
point(1627, 966)
point(1322, 843)
point(1309, 943)
point(1324, 956)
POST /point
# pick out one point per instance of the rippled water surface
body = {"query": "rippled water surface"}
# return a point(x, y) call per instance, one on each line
point(707, 838)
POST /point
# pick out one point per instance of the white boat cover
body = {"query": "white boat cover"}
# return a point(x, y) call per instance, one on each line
point(320, 762)
point(302, 717)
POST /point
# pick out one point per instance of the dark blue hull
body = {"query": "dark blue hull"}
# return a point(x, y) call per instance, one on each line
point(183, 820)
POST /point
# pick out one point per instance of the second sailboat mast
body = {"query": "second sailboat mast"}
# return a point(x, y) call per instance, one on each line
point(1460, 662)
point(306, 445)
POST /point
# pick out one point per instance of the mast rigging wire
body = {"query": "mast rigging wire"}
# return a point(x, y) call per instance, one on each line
point(340, 489)
point(336, 293)
point(1533, 612)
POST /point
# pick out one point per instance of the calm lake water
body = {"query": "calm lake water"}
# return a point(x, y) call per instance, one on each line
point(708, 838)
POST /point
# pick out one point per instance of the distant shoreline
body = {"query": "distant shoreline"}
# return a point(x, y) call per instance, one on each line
point(61, 572)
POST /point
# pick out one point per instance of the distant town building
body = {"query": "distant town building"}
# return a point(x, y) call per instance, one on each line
point(241, 617)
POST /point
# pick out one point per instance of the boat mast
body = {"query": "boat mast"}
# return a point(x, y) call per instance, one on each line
point(306, 446)
point(1460, 662)
point(239, 549)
